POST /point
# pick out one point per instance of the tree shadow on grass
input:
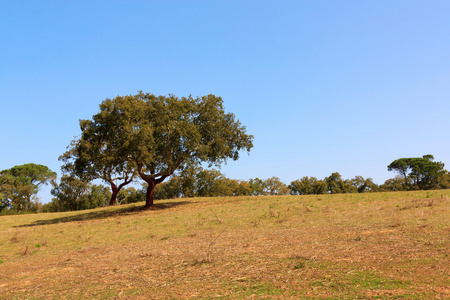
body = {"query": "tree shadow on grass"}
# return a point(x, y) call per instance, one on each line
point(106, 213)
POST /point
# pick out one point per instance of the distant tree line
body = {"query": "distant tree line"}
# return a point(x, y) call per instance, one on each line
point(20, 184)
point(199, 182)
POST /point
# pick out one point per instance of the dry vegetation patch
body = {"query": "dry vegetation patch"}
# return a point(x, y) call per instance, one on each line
point(355, 246)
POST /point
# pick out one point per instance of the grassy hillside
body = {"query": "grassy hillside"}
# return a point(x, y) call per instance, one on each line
point(353, 246)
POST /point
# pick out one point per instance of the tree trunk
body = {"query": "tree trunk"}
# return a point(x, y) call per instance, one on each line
point(150, 194)
point(115, 191)
point(113, 200)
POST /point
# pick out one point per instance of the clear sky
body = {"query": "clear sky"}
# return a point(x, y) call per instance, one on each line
point(324, 86)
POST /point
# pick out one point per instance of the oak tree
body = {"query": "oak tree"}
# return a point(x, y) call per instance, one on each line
point(154, 136)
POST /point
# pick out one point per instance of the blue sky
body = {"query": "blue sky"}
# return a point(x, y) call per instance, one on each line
point(324, 86)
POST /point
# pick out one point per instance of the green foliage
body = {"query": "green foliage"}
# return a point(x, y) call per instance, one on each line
point(444, 180)
point(95, 156)
point(394, 184)
point(318, 186)
point(212, 183)
point(242, 188)
point(308, 186)
point(301, 186)
point(274, 186)
point(171, 189)
point(257, 187)
point(130, 195)
point(364, 185)
point(68, 193)
point(156, 136)
point(15, 192)
point(270, 186)
point(419, 173)
point(73, 193)
point(19, 186)
point(208, 183)
point(36, 174)
point(198, 182)
point(335, 184)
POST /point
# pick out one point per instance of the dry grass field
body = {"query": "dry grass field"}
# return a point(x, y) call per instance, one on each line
point(351, 246)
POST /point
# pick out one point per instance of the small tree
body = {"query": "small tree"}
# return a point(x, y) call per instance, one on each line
point(364, 185)
point(301, 186)
point(257, 187)
point(394, 184)
point(73, 193)
point(274, 186)
point(241, 188)
point(15, 193)
point(335, 184)
point(68, 193)
point(319, 186)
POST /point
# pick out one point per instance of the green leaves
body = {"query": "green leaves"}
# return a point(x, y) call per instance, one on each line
point(154, 136)
point(75, 194)
point(308, 186)
point(421, 173)
point(20, 183)
point(36, 174)
point(270, 186)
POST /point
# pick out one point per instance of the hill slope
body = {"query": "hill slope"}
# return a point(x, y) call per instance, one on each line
point(383, 245)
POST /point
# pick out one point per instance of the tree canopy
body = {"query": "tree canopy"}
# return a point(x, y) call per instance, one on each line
point(91, 157)
point(154, 136)
point(75, 194)
point(20, 183)
point(418, 172)
point(308, 186)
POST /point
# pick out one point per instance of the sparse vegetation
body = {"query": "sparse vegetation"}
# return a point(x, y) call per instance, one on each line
point(340, 246)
